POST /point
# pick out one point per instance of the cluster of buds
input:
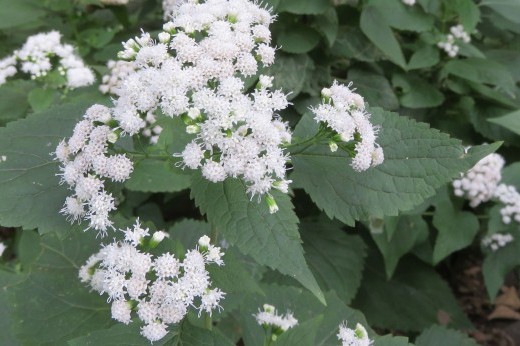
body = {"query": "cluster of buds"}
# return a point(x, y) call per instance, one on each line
point(274, 324)
point(449, 43)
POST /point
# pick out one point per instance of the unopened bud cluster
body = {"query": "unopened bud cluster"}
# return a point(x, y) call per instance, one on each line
point(157, 290)
point(273, 323)
point(456, 35)
point(43, 54)
point(497, 240)
point(343, 111)
point(353, 337)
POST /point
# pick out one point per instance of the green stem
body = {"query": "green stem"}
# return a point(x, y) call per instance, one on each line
point(213, 234)
point(208, 321)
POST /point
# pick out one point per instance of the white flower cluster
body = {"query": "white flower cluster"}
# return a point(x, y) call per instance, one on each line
point(269, 318)
point(36, 58)
point(86, 165)
point(497, 240)
point(409, 2)
point(353, 337)
point(2, 248)
point(483, 183)
point(118, 70)
point(449, 44)
point(123, 272)
point(196, 71)
point(170, 7)
point(343, 111)
point(114, 2)
point(480, 182)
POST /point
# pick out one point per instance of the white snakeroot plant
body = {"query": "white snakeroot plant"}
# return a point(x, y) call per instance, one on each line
point(158, 290)
point(342, 111)
point(353, 337)
point(37, 59)
point(274, 324)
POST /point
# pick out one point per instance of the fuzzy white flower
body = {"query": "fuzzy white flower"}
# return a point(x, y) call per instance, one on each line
point(269, 317)
point(497, 240)
point(353, 337)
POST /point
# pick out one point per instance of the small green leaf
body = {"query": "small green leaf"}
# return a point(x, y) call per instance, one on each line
point(270, 239)
point(298, 38)
point(417, 92)
point(457, 229)
point(13, 103)
point(439, 335)
point(427, 56)
point(41, 99)
point(409, 231)
point(336, 259)
point(374, 25)
point(510, 121)
point(351, 43)
point(375, 89)
point(292, 72)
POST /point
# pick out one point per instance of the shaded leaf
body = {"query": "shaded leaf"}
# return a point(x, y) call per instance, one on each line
point(438, 335)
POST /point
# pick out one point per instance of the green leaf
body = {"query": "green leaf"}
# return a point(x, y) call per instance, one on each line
point(481, 71)
point(151, 175)
point(416, 92)
point(303, 334)
point(510, 121)
point(351, 43)
point(335, 258)
point(374, 25)
point(427, 56)
point(41, 99)
point(499, 263)
point(375, 89)
point(410, 301)
point(510, 9)
point(270, 239)
point(292, 72)
point(13, 103)
point(390, 340)
point(401, 16)
point(31, 194)
point(8, 285)
point(298, 38)
point(327, 24)
point(418, 160)
point(20, 12)
point(468, 13)
point(457, 229)
point(52, 305)
point(439, 335)
point(409, 231)
point(195, 336)
point(304, 7)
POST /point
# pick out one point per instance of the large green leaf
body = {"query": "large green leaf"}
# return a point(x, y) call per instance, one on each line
point(30, 190)
point(298, 38)
point(336, 259)
point(418, 160)
point(52, 306)
point(410, 301)
point(270, 239)
point(374, 25)
point(439, 335)
point(8, 285)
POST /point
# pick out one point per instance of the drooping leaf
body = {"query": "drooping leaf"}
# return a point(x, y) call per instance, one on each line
point(418, 160)
point(410, 301)
point(439, 335)
point(336, 259)
point(270, 239)
point(510, 121)
point(374, 25)
point(31, 194)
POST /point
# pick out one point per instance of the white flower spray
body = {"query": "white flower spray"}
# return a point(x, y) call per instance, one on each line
point(274, 324)
point(159, 290)
point(36, 58)
point(449, 42)
point(353, 337)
